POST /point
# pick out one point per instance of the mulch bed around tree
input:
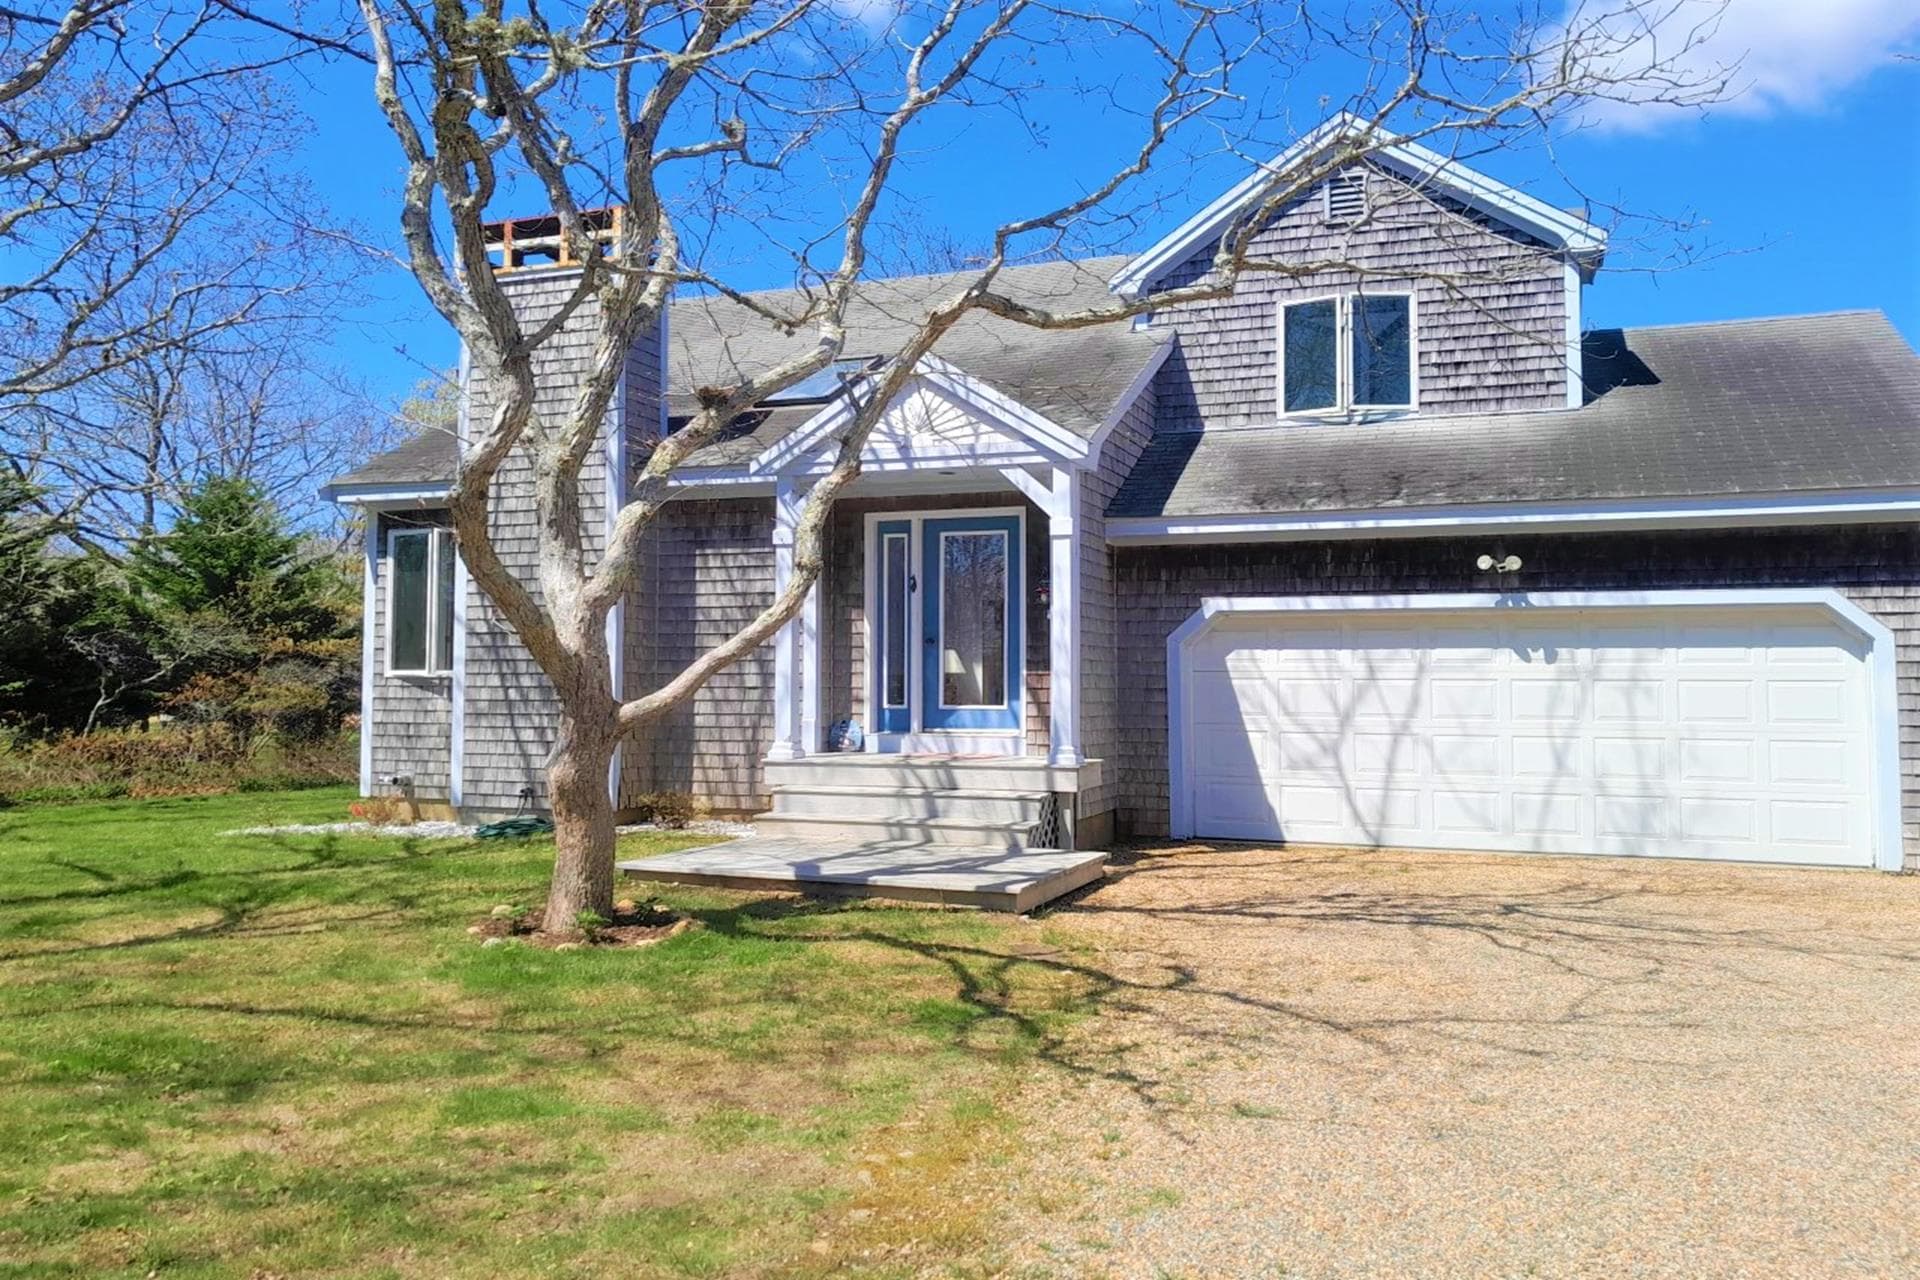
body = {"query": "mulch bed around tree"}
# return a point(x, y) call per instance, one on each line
point(634, 924)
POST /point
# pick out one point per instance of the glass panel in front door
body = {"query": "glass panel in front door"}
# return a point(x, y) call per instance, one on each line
point(893, 656)
point(973, 619)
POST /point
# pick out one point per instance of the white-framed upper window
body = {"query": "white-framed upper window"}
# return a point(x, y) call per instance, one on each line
point(1350, 352)
point(420, 581)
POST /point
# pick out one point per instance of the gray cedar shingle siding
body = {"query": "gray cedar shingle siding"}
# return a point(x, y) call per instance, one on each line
point(643, 419)
point(510, 707)
point(1492, 338)
point(712, 571)
point(1100, 621)
point(1158, 588)
point(412, 715)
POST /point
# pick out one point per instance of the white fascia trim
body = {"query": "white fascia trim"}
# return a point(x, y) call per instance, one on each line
point(1571, 287)
point(1045, 435)
point(457, 712)
point(408, 493)
point(726, 480)
point(1426, 167)
point(369, 650)
point(1883, 685)
point(1536, 517)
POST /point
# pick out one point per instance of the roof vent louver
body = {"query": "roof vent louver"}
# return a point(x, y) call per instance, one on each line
point(1346, 196)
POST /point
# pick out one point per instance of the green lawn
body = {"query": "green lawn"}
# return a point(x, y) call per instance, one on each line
point(267, 1056)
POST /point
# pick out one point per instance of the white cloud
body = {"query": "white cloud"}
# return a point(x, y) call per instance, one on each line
point(875, 15)
point(1783, 55)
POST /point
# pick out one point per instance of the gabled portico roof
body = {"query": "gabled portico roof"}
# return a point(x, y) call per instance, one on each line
point(990, 425)
point(1073, 380)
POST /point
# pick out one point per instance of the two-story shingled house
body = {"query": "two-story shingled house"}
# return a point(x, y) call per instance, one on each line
point(1403, 555)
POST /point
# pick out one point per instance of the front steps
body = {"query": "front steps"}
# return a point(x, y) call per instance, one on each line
point(977, 802)
point(987, 879)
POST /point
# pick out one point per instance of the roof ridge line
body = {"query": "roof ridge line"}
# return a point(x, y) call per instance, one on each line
point(1738, 320)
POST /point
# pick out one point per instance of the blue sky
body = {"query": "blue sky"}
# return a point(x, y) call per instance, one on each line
point(1805, 191)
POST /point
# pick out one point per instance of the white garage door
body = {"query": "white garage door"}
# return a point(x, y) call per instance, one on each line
point(1671, 733)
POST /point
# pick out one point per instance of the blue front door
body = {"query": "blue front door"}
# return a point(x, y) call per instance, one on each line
point(970, 670)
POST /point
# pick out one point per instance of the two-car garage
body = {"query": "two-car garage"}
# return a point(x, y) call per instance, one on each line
point(1752, 726)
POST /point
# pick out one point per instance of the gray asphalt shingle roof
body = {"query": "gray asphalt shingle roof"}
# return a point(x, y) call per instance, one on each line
point(426, 458)
point(1796, 404)
point(1072, 377)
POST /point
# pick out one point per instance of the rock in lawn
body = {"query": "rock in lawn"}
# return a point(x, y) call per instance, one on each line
point(504, 909)
point(494, 942)
point(569, 946)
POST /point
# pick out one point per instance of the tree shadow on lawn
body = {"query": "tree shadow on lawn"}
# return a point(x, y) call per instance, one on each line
point(385, 877)
point(1590, 934)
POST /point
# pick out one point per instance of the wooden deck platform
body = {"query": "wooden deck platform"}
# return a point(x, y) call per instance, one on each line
point(953, 875)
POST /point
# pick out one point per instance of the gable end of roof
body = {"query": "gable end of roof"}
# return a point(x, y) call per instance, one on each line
point(1581, 241)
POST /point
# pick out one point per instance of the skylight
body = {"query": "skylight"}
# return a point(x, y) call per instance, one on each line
point(816, 388)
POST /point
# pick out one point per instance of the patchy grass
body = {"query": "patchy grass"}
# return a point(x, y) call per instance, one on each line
point(260, 1056)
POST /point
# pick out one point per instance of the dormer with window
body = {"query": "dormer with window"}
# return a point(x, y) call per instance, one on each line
point(1437, 291)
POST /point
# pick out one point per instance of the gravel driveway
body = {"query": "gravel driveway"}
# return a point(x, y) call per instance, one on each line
point(1316, 1063)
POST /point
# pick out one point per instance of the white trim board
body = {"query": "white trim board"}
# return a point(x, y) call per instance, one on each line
point(1537, 517)
point(1882, 690)
point(457, 710)
point(404, 494)
point(369, 646)
point(1424, 168)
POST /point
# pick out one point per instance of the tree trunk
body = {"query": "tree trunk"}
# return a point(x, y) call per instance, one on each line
point(583, 836)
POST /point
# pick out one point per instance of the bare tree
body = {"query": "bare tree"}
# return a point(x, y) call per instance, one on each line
point(697, 115)
point(144, 162)
point(251, 402)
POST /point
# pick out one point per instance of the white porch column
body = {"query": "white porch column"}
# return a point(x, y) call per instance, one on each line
point(1063, 619)
point(795, 714)
point(811, 661)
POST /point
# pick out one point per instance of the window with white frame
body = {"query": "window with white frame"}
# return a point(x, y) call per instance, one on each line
point(420, 573)
point(1352, 351)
